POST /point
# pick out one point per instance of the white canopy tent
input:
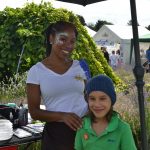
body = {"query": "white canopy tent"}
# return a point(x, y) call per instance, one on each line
point(144, 43)
point(111, 35)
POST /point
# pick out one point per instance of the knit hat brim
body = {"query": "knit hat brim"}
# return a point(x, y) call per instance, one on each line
point(102, 83)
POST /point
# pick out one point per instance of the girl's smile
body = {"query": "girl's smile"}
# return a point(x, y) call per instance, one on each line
point(99, 104)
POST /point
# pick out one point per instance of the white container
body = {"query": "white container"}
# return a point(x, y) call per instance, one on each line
point(6, 129)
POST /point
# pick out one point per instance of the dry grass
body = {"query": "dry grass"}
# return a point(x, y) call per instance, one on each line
point(127, 102)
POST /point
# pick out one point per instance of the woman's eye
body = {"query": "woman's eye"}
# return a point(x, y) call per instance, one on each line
point(72, 42)
point(63, 40)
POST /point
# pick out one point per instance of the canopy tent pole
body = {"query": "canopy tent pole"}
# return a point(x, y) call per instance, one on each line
point(139, 74)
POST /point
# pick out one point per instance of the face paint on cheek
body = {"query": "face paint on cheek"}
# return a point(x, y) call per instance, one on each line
point(58, 37)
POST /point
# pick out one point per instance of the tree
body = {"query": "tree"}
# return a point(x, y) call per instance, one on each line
point(82, 20)
point(100, 23)
point(23, 28)
point(91, 26)
point(148, 27)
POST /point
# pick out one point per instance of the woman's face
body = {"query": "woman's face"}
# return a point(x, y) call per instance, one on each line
point(63, 43)
point(99, 103)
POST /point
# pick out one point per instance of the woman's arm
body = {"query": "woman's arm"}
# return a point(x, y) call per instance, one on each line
point(34, 100)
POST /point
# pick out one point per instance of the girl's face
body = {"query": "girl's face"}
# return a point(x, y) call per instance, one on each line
point(99, 104)
point(63, 43)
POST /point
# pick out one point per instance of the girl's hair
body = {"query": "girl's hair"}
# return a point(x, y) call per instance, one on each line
point(108, 116)
point(54, 28)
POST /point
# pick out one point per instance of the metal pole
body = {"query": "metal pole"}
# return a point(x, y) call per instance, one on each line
point(139, 74)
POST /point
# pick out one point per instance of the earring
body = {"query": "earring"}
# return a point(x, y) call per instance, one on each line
point(50, 43)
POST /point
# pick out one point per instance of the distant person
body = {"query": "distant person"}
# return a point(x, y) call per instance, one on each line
point(148, 58)
point(148, 54)
point(103, 128)
point(106, 54)
point(142, 54)
point(113, 60)
point(119, 58)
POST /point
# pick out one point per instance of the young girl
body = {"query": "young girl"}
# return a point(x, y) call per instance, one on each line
point(103, 129)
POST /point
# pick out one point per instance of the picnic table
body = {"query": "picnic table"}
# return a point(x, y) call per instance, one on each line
point(14, 142)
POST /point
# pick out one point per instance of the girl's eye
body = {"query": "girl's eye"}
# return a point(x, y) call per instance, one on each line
point(91, 98)
point(103, 98)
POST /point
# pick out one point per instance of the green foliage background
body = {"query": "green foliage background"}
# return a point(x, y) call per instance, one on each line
point(24, 28)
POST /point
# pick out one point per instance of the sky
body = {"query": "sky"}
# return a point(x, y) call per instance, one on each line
point(114, 11)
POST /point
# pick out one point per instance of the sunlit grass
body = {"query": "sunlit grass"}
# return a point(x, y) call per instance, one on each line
point(128, 105)
point(14, 90)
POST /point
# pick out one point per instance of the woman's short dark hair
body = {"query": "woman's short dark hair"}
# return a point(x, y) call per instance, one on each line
point(57, 27)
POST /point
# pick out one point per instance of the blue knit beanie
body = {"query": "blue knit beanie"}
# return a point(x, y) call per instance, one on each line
point(102, 83)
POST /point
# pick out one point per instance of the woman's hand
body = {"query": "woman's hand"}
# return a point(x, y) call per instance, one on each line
point(72, 120)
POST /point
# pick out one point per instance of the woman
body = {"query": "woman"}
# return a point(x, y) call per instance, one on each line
point(59, 81)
